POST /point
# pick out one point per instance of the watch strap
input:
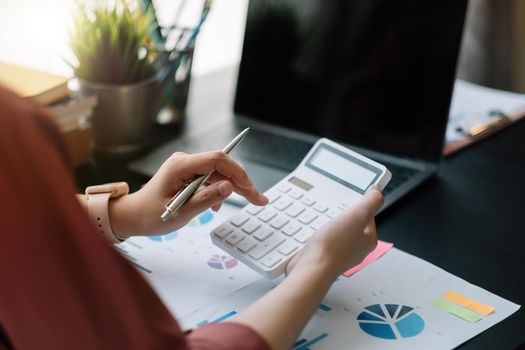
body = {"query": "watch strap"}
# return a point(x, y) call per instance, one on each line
point(99, 215)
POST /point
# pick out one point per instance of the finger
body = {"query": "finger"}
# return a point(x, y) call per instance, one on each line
point(207, 197)
point(190, 166)
point(371, 229)
point(217, 207)
point(251, 194)
point(365, 209)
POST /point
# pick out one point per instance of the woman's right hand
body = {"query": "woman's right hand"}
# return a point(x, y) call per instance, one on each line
point(343, 242)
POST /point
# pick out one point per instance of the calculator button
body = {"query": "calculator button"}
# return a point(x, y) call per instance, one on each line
point(253, 209)
point(272, 196)
point(282, 204)
point(307, 217)
point(304, 234)
point(247, 245)
point(317, 224)
point(320, 207)
point(223, 230)
point(239, 220)
point(332, 213)
point(264, 248)
point(271, 259)
point(234, 238)
point(284, 188)
point(251, 226)
point(267, 215)
point(295, 194)
point(263, 233)
point(279, 221)
point(343, 206)
point(288, 248)
point(308, 201)
point(291, 229)
point(294, 210)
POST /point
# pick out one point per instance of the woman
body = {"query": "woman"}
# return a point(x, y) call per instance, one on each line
point(64, 287)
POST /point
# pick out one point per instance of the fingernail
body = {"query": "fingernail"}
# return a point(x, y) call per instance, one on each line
point(263, 198)
point(224, 188)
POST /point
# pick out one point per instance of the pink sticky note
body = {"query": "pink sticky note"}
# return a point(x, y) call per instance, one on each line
point(382, 248)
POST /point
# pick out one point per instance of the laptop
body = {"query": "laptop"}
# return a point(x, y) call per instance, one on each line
point(376, 76)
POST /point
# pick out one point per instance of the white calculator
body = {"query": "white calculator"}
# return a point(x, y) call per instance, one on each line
point(329, 180)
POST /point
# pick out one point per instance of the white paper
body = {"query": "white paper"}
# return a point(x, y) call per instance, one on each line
point(185, 268)
point(396, 278)
point(472, 104)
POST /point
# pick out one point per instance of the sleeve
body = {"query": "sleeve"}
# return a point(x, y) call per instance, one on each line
point(226, 336)
point(62, 285)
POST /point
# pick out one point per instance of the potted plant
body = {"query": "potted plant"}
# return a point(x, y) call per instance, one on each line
point(109, 41)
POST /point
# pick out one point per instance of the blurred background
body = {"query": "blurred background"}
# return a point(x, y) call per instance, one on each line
point(34, 33)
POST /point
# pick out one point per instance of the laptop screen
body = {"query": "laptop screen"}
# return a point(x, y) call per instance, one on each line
point(374, 73)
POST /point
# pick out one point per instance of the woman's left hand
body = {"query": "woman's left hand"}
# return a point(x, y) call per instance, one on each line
point(139, 213)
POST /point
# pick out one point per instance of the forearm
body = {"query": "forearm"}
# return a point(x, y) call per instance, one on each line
point(296, 300)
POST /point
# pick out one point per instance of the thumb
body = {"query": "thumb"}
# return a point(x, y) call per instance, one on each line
point(365, 209)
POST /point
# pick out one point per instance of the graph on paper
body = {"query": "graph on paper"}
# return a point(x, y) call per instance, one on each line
point(222, 262)
point(182, 265)
point(390, 321)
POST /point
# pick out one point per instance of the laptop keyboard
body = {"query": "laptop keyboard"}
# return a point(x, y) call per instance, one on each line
point(400, 175)
point(279, 151)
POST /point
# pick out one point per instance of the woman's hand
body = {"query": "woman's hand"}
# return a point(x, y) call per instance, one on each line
point(343, 242)
point(139, 213)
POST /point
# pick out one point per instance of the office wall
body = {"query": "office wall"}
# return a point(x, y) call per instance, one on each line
point(493, 50)
point(33, 33)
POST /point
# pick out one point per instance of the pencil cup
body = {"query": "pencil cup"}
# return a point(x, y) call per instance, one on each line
point(174, 108)
point(123, 118)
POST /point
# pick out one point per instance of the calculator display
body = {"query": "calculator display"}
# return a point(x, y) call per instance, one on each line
point(343, 168)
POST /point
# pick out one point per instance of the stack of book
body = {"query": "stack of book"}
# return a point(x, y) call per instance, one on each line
point(71, 112)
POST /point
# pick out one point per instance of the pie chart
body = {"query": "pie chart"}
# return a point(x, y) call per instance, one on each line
point(222, 262)
point(167, 237)
point(390, 321)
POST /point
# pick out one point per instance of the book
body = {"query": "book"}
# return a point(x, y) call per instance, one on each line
point(43, 87)
point(477, 112)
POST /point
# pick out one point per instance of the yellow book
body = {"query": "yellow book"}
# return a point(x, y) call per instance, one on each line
point(44, 87)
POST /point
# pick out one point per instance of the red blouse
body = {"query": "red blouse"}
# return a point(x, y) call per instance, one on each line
point(61, 285)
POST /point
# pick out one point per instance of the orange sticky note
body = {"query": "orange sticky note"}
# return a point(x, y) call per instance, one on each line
point(469, 303)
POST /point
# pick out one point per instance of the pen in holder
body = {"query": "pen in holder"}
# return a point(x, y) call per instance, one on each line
point(173, 51)
point(176, 84)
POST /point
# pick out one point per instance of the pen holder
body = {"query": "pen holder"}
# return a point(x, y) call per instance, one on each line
point(175, 89)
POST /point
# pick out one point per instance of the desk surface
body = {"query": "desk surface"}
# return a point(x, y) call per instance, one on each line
point(467, 220)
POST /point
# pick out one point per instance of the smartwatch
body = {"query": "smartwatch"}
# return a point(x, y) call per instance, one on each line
point(98, 198)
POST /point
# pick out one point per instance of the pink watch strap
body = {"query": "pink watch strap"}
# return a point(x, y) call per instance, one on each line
point(98, 213)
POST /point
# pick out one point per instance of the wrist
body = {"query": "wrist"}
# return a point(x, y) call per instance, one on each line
point(122, 217)
point(315, 262)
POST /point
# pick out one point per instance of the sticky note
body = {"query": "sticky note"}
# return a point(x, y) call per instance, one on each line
point(457, 310)
point(469, 303)
point(382, 248)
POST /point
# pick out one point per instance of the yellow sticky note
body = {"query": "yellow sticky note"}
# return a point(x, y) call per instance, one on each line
point(469, 303)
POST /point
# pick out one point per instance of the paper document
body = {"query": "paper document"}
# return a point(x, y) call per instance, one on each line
point(185, 268)
point(473, 104)
point(388, 305)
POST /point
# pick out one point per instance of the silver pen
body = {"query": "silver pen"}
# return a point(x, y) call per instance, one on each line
point(182, 196)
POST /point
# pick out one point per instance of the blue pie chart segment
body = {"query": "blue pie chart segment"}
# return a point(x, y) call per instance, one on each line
point(390, 321)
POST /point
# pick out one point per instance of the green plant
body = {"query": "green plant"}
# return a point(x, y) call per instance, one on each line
point(109, 42)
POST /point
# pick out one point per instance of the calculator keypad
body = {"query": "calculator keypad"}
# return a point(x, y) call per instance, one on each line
point(271, 235)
